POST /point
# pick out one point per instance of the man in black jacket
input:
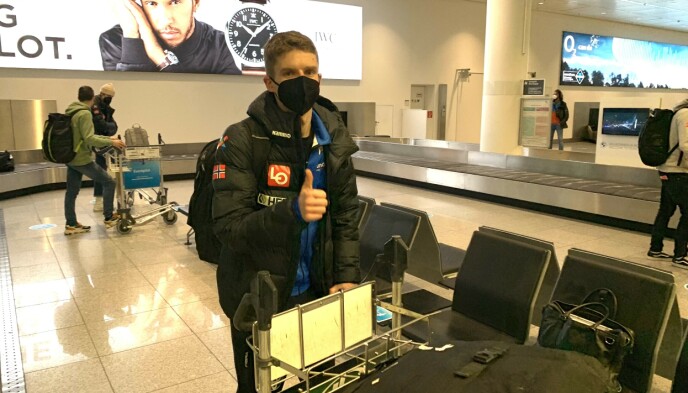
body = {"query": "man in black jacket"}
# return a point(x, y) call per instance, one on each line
point(163, 35)
point(292, 209)
point(104, 124)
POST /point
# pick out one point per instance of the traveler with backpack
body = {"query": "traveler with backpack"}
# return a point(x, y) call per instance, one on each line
point(560, 115)
point(674, 176)
point(297, 215)
point(83, 139)
point(104, 124)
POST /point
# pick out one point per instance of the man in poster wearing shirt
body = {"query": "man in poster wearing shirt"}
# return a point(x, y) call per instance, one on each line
point(163, 35)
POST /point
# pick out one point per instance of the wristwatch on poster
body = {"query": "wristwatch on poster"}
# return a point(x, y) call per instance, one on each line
point(247, 32)
point(170, 59)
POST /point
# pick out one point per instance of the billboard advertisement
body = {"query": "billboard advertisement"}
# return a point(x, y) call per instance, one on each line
point(180, 36)
point(597, 60)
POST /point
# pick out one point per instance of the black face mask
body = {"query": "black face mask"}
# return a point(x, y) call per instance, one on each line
point(107, 100)
point(298, 94)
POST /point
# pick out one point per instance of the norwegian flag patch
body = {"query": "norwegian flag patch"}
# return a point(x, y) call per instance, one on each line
point(219, 171)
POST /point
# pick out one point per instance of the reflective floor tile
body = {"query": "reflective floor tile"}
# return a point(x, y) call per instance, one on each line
point(31, 258)
point(219, 341)
point(36, 273)
point(137, 330)
point(217, 383)
point(56, 347)
point(186, 290)
point(84, 377)
point(28, 294)
point(203, 316)
point(99, 283)
point(48, 316)
point(172, 271)
point(113, 305)
point(95, 265)
point(160, 365)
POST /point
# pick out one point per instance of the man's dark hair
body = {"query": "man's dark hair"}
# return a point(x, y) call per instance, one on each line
point(282, 43)
point(85, 93)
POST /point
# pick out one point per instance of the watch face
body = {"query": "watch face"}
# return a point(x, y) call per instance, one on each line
point(248, 31)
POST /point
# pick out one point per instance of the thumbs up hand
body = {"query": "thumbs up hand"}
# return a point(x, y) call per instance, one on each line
point(312, 202)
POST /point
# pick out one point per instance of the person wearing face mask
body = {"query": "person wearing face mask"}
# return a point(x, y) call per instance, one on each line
point(560, 115)
point(104, 124)
point(294, 213)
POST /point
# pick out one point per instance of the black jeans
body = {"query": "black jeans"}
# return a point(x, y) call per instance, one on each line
point(674, 193)
point(243, 356)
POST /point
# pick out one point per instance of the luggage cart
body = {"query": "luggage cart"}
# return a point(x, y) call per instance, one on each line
point(137, 168)
point(327, 344)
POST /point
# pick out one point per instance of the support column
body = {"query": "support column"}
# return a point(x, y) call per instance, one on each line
point(507, 40)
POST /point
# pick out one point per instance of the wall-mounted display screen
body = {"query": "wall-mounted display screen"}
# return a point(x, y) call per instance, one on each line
point(624, 121)
point(181, 36)
point(597, 60)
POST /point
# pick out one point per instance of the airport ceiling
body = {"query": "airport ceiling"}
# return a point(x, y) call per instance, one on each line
point(663, 14)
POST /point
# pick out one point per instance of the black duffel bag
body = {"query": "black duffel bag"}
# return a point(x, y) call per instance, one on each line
point(6, 161)
point(582, 328)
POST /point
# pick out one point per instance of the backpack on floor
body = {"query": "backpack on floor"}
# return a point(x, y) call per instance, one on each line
point(201, 203)
point(58, 139)
point(6, 161)
point(653, 141)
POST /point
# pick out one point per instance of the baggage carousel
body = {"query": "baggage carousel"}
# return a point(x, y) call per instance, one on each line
point(572, 186)
point(616, 195)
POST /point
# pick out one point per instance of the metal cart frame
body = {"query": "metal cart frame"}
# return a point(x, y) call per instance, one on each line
point(127, 162)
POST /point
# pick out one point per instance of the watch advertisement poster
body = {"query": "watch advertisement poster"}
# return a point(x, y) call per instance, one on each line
point(179, 36)
point(536, 122)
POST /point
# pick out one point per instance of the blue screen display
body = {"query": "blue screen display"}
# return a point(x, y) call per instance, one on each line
point(597, 60)
point(624, 121)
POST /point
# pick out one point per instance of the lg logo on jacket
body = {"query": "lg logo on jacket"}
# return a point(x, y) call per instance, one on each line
point(279, 176)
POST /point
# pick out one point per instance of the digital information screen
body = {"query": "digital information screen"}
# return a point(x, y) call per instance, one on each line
point(624, 121)
point(597, 60)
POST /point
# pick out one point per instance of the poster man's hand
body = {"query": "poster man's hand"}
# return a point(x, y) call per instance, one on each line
point(130, 28)
point(145, 32)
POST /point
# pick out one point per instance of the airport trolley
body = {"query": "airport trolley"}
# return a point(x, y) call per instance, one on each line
point(138, 168)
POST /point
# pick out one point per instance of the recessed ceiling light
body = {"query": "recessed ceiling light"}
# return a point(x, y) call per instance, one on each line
point(604, 13)
point(541, 3)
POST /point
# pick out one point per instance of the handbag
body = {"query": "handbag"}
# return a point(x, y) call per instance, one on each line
point(582, 328)
point(6, 161)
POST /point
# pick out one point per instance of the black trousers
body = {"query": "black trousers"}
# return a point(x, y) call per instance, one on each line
point(674, 194)
point(243, 356)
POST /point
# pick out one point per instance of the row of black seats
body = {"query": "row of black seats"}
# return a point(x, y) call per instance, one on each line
point(505, 278)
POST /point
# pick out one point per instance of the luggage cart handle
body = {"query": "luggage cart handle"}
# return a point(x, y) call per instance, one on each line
point(160, 141)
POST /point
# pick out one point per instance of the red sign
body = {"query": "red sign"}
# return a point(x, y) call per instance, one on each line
point(279, 176)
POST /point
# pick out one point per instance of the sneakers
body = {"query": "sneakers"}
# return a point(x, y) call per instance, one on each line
point(658, 255)
point(78, 228)
point(680, 262)
point(112, 221)
point(98, 204)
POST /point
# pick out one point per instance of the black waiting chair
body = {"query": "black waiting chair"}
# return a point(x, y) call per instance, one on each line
point(383, 223)
point(645, 298)
point(680, 384)
point(365, 204)
point(494, 295)
point(429, 260)
point(551, 275)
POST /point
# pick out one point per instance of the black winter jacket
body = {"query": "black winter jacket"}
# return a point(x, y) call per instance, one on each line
point(204, 52)
point(103, 118)
point(255, 221)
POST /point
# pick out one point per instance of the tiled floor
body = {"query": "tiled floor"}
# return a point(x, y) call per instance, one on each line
point(103, 312)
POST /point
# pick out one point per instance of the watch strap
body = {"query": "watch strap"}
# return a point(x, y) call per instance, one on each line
point(255, 1)
point(252, 70)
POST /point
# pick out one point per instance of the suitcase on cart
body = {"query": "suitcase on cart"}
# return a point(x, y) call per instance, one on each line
point(136, 136)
